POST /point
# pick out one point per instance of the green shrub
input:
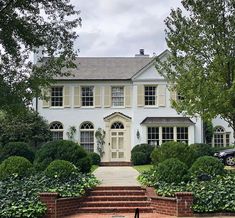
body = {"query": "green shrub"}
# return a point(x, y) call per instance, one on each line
point(62, 150)
point(144, 148)
point(95, 158)
point(16, 149)
point(19, 197)
point(207, 165)
point(15, 165)
point(201, 149)
point(60, 168)
point(172, 149)
point(138, 158)
point(171, 171)
point(85, 164)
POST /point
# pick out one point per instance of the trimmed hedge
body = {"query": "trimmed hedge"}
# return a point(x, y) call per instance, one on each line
point(171, 171)
point(138, 158)
point(95, 158)
point(207, 165)
point(16, 149)
point(146, 150)
point(63, 150)
point(15, 166)
point(201, 149)
point(178, 150)
point(60, 169)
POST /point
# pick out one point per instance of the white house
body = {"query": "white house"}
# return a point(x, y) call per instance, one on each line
point(128, 99)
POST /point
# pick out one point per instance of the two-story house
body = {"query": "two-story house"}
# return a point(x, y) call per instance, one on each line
point(128, 99)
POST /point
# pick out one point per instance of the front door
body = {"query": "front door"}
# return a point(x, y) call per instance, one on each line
point(117, 145)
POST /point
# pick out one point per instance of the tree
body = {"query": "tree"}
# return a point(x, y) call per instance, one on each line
point(25, 126)
point(202, 61)
point(24, 26)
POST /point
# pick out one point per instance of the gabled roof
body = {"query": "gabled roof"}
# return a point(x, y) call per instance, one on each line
point(107, 68)
point(117, 114)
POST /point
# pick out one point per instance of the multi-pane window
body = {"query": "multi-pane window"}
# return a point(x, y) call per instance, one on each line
point(57, 130)
point(117, 125)
point(220, 137)
point(118, 96)
point(167, 134)
point(87, 136)
point(227, 139)
point(182, 134)
point(57, 96)
point(153, 136)
point(87, 96)
point(150, 95)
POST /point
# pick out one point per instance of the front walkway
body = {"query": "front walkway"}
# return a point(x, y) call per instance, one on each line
point(117, 176)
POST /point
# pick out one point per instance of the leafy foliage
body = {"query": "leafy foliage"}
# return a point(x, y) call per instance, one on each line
point(177, 150)
point(60, 168)
point(201, 149)
point(144, 148)
point(100, 138)
point(207, 165)
point(19, 197)
point(27, 25)
point(171, 170)
point(63, 150)
point(201, 42)
point(95, 158)
point(25, 126)
point(16, 149)
point(138, 158)
point(15, 165)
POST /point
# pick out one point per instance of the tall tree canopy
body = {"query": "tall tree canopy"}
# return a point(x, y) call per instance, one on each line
point(201, 66)
point(24, 26)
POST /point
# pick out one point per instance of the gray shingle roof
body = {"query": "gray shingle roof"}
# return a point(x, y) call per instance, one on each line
point(168, 121)
point(107, 68)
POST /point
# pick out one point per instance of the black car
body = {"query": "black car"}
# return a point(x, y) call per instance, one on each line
point(226, 156)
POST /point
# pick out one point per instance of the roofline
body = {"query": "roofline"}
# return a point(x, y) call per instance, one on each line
point(92, 79)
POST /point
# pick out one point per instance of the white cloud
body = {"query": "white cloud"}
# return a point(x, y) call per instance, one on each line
point(121, 27)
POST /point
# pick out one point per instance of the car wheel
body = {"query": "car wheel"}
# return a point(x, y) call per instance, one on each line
point(230, 161)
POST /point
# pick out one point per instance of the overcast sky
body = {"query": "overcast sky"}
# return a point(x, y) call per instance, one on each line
point(122, 27)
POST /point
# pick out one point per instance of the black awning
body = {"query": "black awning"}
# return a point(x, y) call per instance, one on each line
point(168, 121)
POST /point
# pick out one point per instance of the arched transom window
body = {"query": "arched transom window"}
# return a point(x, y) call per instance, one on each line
point(220, 137)
point(87, 136)
point(57, 130)
point(117, 125)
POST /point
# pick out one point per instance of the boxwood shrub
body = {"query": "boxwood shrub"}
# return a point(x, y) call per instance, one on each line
point(15, 166)
point(16, 149)
point(201, 149)
point(138, 158)
point(95, 158)
point(62, 150)
point(146, 150)
point(60, 168)
point(178, 150)
point(171, 171)
point(207, 165)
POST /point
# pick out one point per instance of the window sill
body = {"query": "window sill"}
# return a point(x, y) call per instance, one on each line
point(55, 107)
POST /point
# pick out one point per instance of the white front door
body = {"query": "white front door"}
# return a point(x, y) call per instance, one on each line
point(117, 145)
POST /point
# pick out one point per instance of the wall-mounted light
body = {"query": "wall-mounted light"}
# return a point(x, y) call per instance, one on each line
point(138, 134)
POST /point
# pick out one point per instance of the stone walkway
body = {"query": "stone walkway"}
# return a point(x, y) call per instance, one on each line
point(117, 176)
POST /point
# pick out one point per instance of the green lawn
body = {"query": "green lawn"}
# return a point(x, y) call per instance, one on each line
point(142, 168)
point(94, 167)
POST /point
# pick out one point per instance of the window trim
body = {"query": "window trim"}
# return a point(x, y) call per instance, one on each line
point(57, 86)
point(57, 130)
point(224, 135)
point(155, 96)
point(93, 96)
point(124, 94)
point(87, 130)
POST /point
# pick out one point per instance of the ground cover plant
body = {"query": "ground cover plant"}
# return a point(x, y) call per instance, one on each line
point(19, 196)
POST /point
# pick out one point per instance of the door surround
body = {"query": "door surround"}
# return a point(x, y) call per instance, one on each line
point(109, 121)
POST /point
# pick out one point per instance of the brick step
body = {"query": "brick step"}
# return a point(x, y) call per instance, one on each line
point(115, 210)
point(118, 164)
point(119, 188)
point(117, 192)
point(115, 204)
point(116, 198)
